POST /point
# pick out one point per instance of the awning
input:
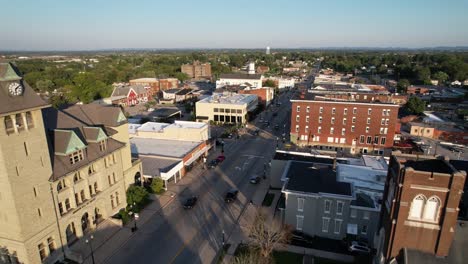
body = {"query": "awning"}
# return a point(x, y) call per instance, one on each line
point(352, 229)
point(196, 155)
point(169, 174)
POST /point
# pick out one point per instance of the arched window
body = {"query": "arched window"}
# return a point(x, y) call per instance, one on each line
point(19, 122)
point(417, 207)
point(431, 209)
point(59, 186)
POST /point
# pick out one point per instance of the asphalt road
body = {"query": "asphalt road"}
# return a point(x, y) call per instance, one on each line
point(176, 235)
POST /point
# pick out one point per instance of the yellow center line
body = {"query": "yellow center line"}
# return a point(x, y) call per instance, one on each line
point(181, 248)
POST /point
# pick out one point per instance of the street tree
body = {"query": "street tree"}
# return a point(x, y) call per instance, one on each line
point(269, 83)
point(267, 235)
point(441, 76)
point(157, 185)
point(415, 105)
point(402, 85)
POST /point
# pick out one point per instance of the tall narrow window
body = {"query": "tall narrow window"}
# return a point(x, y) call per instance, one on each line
point(307, 119)
point(300, 204)
point(113, 177)
point(333, 110)
point(29, 120)
point(354, 110)
point(325, 224)
point(82, 194)
point(42, 251)
point(431, 209)
point(51, 243)
point(364, 229)
point(344, 121)
point(368, 120)
point(60, 206)
point(332, 120)
point(102, 145)
point(19, 122)
point(308, 109)
point(417, 207)
point(321, 110)
point(345, 111)
point(353, 128)
point(354, 120)
point(112, 201)
point(382, 141)
point(327, 206)
point(298, 109)
point(320, 120)
point(332, 130)
point(338, 226)
point(369, 111)
point(339, 207)
point(117, 200)
point(96, 190)
point(299, 222)
point(67, 204)
point(9, 125)
point(26, 150)
point(297, 118)
point(361, 139)
point(319, 130)
point(343, 131)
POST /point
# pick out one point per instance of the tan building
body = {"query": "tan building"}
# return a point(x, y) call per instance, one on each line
point(226, 108)
point(179, 130)
point(61, 172)
point(197, 70)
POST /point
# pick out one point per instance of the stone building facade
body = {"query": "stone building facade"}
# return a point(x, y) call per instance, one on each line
point(61, 172)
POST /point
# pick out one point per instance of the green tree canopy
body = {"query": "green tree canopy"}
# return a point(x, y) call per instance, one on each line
point(441, 76)
point(269, 83)
point(402, 85)
point(415, 105)
point(87, 88)
point(137, 194)
point(157, 185)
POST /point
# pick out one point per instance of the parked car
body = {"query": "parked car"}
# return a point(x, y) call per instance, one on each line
point(231, 195)
point(190, 202)
point(220, 158)
point(213, 163)
point(359, 248)
point(255, 179)
point(301, 237)
point(257, 132)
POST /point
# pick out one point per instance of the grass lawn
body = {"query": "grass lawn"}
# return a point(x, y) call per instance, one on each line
point(284, 257)
point(268, 199)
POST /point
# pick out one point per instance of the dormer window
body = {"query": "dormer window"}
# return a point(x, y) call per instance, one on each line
point(76, 156)
point(61, 185)
point(102, 145)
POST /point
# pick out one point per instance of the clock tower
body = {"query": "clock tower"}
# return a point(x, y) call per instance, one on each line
point(27, 225)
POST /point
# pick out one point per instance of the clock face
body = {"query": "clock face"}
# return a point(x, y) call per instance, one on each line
point(15, 88)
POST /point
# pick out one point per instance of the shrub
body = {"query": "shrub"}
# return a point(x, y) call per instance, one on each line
point(124, 216)
point(137, 195)
point(157, 185)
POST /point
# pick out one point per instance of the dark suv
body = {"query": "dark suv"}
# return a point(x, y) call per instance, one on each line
point(231, 195)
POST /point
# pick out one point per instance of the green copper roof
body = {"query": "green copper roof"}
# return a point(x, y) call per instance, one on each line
point(121, 117)
point(74, 144)
point(7, 73)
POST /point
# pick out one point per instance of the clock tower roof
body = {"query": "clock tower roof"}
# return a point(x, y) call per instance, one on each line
point(27, 100)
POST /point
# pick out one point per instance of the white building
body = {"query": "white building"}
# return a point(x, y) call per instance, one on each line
point(179, 130)
point(226, 108)
point(255, 80)
point(267, 52)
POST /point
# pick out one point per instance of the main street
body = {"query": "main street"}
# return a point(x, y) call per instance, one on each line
point(175, 235)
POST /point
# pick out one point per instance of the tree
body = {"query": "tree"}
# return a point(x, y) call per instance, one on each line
point(423, 74)
point(44, 85)
point(157, 185)
point(402, 85)
point(138, 195)
point(87, 88)
point(268, 235)
point(415, 105)
point(181, 76)
point(441, 76)
point(269, 83)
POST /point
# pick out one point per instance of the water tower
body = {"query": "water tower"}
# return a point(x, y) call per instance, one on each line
point(251, 68)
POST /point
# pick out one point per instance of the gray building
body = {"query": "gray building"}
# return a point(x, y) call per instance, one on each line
point(318, 204)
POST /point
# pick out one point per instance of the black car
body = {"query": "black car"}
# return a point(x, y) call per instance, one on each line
point(276, 127)
point(190, 202)
point(255, 179)
point(275, 114)
point(212, 164)
point(231, 195)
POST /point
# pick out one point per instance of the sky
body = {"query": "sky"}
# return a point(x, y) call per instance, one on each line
point(126, 24)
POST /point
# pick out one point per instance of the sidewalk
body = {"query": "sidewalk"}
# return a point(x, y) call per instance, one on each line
point(109, 237)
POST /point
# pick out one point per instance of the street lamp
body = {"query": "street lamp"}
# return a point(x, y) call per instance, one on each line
point(135, 216)
point(223, 238)
point(91, 247)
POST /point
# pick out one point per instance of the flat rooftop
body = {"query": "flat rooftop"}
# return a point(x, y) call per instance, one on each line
point(162, 147)
point(312, 95)
point(316, 178)
point(144, 80)
point(153, 166)
point(241, 76)
point(432, 165)
point(235, 99)
point(165, 112)
point(363, 200)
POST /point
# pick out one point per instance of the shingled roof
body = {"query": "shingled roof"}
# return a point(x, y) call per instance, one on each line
point(80, 127)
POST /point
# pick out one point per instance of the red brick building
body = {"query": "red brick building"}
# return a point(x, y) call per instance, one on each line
point(265, 94)
point(419, 207)
point(351, 126)
point(151, 83)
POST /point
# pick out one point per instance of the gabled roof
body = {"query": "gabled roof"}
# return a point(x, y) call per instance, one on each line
point(8, 103)
point(79, 127)
point(67, 142)
point(125, 90)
